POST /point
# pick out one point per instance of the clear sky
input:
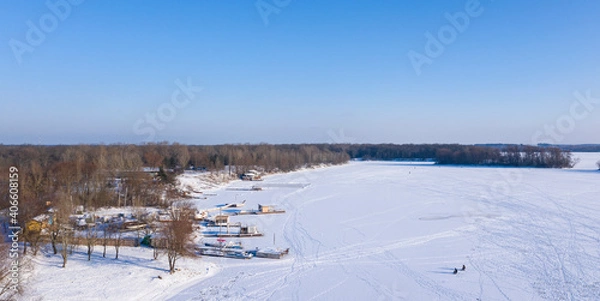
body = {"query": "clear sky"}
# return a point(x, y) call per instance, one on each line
point(281, 71)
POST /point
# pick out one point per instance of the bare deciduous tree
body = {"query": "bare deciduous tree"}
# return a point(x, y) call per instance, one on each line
point(177, 233)
point(59, 221)
point(35, 190)
point(105, 238)
point(74, 241)
point(155, 247)
point(91, 236)
point(54, 230)
point(66, 239)
point(151, 231)
point(60, 228)
point(181, 155)
point(115, 233)
point(155, 241)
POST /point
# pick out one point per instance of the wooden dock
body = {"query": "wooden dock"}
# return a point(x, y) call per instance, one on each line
point(232, 235)
point(256, 212)
point(270, 253)
point(225, 253)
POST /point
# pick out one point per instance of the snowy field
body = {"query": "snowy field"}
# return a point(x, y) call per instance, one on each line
point(134, 276)
point(380, 231)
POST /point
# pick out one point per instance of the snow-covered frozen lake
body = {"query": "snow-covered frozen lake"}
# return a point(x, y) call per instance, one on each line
point(396, 230)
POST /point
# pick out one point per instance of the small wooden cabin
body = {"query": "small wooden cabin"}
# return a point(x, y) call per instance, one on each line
point(245, 230)
point(221, 219)
point(265, 208)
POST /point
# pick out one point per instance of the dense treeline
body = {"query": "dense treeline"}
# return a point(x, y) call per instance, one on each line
point(589, 148)
point(580, 148)
point(175, 156)
point(509, 155)
point(269, 157)
point(397, 151)
point(112, 175)
point(519, 156)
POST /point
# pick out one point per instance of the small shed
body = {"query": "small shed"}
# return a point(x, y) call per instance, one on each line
point(222, 219)
point(248, 230)
point(265, 208)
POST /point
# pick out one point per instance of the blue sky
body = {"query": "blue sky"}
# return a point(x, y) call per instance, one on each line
point(317, 71)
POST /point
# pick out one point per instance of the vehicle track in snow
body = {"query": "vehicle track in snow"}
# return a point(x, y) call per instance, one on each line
point(546, 243)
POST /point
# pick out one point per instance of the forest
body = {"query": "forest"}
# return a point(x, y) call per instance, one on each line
point(507, 155)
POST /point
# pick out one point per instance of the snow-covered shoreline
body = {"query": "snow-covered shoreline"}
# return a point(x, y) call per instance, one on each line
point(378, 230)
